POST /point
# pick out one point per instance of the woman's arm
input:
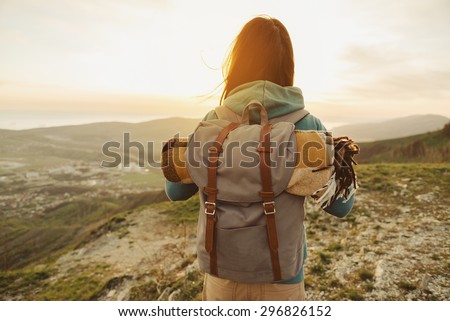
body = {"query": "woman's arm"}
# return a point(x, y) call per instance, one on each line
point(180, 192)
point(339, 208)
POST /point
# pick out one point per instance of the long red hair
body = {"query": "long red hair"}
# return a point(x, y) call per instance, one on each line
point(261, 51)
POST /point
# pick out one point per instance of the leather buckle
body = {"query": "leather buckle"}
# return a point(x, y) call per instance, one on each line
point(271, 210)
point(207, 204)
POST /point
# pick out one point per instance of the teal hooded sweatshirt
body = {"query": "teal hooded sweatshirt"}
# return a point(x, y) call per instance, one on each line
point(278, 101)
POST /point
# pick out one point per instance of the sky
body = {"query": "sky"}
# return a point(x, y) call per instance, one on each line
point(64, 61)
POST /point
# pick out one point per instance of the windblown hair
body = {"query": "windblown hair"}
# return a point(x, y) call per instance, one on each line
point(261, 51)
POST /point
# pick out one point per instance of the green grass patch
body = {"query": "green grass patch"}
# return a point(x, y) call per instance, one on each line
point(334, 283)
point(25, 241)
point(181, 212)
point(369, 287)
point(406, 286)
point(145, 292)
point(82, 283)
point(318, 268)
point(153, 178)
point(365, 275)
point(335, 247)
point(389, 178)
point(435, 257)
point(13, 283)
point(325, 258)
point(353, 294)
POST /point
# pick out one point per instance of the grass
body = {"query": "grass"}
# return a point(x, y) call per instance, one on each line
point(181, 212)
point(13, 282)
point(152, 178)
point(383, 182)
point(335, 247)
point(28, 241)
point(186, 288)
point(25, 241)
point(318, 268)
point(385, 190)
point(353, 294)
point(425, 148)
point(84, 283)
point(145, 292)
point(385, 178)
point(325, 258)
point(369, 287)
point(406, 286)
point(365, 274)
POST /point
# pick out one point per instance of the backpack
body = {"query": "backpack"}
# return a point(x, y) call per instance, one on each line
point(250, 229)
point(250, 226)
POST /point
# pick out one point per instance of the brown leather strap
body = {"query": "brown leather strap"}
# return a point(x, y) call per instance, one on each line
point(211, 195)
point(268, 200)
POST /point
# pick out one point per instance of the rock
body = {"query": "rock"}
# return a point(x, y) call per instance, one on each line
point(123, 295)
point(339, 273)
point(425, 197)
point(379, 271)
point(404, 209)
point(424, 283)
point(429, 220)
point(164, 295)
point(173, 295)
point(111, 293)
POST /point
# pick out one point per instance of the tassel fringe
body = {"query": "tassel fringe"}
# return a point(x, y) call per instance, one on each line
point(343, 181)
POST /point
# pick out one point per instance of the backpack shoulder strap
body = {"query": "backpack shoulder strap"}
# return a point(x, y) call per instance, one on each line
point(224, 112)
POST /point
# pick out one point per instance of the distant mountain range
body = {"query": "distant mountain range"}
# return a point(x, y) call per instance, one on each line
point(84, 142)
point(394, 128)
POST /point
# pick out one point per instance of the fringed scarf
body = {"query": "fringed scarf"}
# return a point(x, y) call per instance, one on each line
point(343, 181)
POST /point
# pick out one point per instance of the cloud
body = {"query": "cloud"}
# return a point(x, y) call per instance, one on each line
point(406, 86)
point(394, 74)
point(365, 58)
point(402, 61)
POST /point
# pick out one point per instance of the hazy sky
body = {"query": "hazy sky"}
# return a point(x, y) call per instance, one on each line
point(356, 61)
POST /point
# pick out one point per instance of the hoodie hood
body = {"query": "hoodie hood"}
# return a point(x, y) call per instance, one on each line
point(276, 99)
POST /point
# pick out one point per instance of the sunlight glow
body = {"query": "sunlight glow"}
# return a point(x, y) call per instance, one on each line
point(347, 54)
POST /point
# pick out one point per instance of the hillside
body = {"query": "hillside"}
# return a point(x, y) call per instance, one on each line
point(41, 147)
point(71, 230)
point(393, 246)
point(431, 147)
point(394, 128)
point(84, 142)
point(62, 227)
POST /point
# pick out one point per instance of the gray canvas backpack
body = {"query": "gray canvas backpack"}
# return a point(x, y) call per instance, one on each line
point(250, 229)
